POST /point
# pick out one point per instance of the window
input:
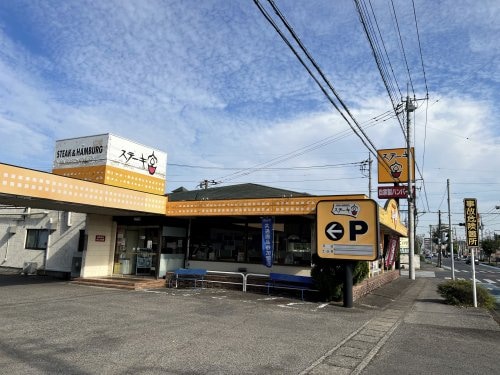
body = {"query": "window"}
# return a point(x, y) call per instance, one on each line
point(37, 239)
point(227, 240)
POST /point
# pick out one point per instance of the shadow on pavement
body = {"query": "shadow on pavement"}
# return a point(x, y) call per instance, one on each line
point(10, 280)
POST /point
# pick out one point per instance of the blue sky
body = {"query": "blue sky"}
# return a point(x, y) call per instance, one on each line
point(212, 84)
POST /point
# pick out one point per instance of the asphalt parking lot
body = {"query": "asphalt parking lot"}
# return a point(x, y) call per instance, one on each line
point(57, 327)
point(51, 326)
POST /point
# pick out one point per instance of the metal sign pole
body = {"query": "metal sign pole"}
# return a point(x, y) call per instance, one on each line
point(474, 294)
point(472, 237)
point(450, 238)
point(348, 281)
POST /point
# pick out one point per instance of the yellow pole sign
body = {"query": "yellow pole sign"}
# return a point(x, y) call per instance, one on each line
point(393, 165)
point(347, 229)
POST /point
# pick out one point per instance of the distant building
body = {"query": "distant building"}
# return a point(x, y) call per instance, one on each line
point(34, 240)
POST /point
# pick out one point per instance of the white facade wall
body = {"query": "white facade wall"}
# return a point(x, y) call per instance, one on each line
point(101, 239)
point(404, 261)
point(62, 242)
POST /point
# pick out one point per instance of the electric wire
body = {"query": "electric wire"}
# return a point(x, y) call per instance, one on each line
point(420, 49)
point(287, 42)
point(288, 156)
point(364, 140)
point(309, 167)
point(402, 47)
point(385, 49)
point(318, 69)
point(379, 58)
point(311, 147)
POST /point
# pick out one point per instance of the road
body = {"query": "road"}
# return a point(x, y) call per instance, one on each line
point(486, 275)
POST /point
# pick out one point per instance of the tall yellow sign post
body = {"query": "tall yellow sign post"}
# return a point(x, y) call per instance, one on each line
point(347, 230)
point(472, 235)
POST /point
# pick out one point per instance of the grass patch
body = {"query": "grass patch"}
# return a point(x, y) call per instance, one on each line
point(459, 293)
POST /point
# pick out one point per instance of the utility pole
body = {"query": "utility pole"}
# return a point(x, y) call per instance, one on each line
point(439, 240)
point(204, 184)
point(430, 240)
point(410, 107)
point(370, 175)
point(450, 238)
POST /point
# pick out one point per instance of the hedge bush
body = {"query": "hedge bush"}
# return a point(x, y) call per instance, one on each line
point(459, 293)
point(328, 275)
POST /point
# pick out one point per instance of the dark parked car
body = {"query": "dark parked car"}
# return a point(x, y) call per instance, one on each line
point(468, 261)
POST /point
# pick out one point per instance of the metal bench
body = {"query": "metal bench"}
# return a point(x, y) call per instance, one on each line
point(189, 274)
point(285, 281)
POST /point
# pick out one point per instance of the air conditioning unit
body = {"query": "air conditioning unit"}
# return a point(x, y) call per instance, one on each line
point(12, 230)
point(29, 268)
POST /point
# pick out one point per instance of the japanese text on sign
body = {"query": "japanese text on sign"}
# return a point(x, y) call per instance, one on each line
point(471, 222)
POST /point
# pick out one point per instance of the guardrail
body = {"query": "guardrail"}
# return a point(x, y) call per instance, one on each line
point(253, 274)
point(244, 278)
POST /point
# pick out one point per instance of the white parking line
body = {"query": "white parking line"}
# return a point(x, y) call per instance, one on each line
point(288, 306)
point(490, 281)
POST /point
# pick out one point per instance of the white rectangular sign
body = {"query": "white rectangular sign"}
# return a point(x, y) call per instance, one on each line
point(108, 149)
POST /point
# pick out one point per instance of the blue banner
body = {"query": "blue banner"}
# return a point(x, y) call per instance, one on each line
point(267, 241)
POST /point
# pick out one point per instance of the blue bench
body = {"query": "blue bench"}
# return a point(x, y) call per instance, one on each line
point(189, 274)
point(284, 281)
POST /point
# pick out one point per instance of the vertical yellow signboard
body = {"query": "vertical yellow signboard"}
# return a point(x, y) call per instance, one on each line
point(471, 222)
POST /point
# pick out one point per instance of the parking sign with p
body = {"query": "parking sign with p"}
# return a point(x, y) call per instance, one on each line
point(347, 229)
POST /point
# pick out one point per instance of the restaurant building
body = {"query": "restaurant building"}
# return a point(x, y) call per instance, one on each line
point(132, 228)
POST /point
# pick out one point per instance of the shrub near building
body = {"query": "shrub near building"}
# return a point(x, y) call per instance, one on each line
point(328, 275)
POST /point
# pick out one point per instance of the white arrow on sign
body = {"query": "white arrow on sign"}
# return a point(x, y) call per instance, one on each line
point(334, 231)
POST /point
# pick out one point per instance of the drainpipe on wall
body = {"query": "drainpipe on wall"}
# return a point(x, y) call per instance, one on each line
point(11, 231)
point(46, 257)
point(6, 250)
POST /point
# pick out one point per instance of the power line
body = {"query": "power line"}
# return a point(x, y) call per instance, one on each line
point(365, 20)
point(293, 154)
point(402, 47)
point(320, 72)
point(316, 145)
point(364, 138)
point(420, 49)
point(309, 167)
point(379, 57)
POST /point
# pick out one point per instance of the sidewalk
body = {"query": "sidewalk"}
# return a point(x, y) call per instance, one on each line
point(430, 336)
point(429, 298)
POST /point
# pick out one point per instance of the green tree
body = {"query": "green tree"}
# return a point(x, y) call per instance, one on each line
point(490, 245)
point(419, 242)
